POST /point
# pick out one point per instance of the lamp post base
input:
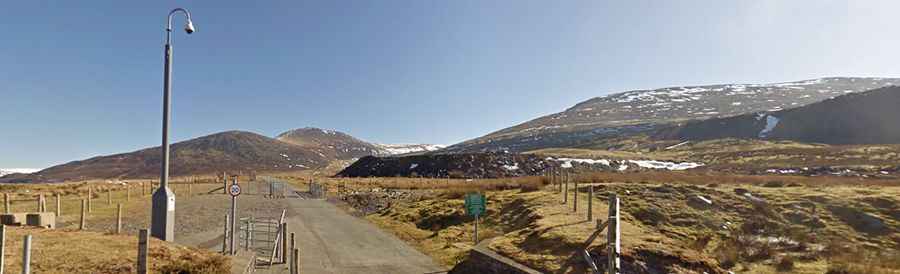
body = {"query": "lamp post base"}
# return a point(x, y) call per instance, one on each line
point(162, 221)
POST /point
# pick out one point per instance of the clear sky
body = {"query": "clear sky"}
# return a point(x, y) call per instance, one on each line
point(84, 78)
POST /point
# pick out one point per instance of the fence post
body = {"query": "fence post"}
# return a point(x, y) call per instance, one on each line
point(6, 201)
point(143, 189)
point(224, 183)
point(40, 203)
point(2, 246)
point(566, 190)
point(575, 197)
point(224, 236)
point(590, 200)
point(109, 197)
point(58, 208)
point(119, 219)
point(83, 209)
point(26, 255)
point(190, 189)
point(296, 264)
point(143, 247)
point(292, 255)
point(284, 241)
point(90, 206)
point(613, 235)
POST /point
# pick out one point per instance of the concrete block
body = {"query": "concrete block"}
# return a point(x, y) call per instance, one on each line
point(43, 219)
point(14, 219)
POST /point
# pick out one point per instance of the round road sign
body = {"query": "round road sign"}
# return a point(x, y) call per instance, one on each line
point(235, 190)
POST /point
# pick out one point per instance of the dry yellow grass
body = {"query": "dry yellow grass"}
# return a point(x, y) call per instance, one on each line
point(534, 228)
point(61, 251)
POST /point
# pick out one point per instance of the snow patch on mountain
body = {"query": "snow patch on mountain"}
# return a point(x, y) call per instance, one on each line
point(7, 171)
point(771, 123)
point(396, 149)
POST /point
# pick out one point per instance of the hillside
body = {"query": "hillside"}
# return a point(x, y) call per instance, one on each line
point(643, 111)
point(342, 146)
point(226, 151)
point(861, 118)
point(331, 143)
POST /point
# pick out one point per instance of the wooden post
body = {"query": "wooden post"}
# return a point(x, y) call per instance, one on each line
point(143, 189)
point(590, 213)
point(224, 183)
point(6, 201)
point(83, 209)
point(90, 206)
point(109, 197)
point(575, 197)
point(296, 264)
point(143, 248)
point(293, 255)
point(2, 246)
point(40, 203)
point(284, 241)
point(224, 236)
point(119, 219)
point(58, 207)
point(190, 189)
point(613, 248)
point(26, 255)
point(566, 191)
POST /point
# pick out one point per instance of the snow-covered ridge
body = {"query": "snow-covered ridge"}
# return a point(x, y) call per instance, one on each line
point(396, 149)
point(623, 165)
point(7, 171)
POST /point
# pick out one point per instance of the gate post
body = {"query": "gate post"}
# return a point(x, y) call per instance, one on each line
point(614, 247)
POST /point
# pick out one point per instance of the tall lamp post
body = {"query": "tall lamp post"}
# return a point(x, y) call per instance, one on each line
point(162, 222)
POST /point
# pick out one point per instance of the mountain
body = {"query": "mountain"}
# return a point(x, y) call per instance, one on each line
point(345, 147)
point(227, 151)
point(7, 171)
point(643, 111)
point(858, 118)
point(330, 143)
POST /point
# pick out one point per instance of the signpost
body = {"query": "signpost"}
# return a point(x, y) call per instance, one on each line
point(475, 206)
point(234, 190)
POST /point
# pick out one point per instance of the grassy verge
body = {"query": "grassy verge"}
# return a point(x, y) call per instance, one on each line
point(62, 251)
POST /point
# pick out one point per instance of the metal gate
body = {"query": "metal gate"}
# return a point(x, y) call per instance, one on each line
point(272, 187)
point(262, 236)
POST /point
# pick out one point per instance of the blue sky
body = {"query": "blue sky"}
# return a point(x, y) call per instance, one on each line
point(83, 78)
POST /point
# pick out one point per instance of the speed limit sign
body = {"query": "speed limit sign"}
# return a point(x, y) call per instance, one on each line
point(235, 190)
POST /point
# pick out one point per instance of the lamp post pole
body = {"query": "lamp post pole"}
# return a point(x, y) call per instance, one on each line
point(162, 224)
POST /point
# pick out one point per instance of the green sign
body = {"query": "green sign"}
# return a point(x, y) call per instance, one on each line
point(475, 204)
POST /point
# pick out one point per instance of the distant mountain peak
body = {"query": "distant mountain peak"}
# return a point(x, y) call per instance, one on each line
point(641, 111)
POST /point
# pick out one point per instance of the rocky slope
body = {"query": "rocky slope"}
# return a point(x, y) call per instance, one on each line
point(642, 111)
point(473, 165)
point(860, 118)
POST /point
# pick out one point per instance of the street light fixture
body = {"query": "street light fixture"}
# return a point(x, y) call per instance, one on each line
point(162, 222)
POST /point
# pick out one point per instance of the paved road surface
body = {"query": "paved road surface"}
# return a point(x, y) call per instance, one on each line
point(332, 241)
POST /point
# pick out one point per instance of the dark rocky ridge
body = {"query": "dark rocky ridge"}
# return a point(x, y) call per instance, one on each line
point(468, 165)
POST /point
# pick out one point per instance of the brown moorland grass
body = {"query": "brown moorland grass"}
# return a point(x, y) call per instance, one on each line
point(65, 251)
point(712, 177)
